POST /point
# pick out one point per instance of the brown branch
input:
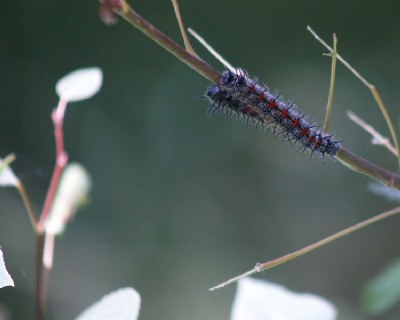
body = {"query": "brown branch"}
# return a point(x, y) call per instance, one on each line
point(361, 165)
point(185, 37)
point(194, 62)
point(346, 157)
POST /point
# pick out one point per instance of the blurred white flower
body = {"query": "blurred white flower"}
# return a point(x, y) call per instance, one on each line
point(123, 304)
point(5, 278)
point(74, 187)
point(7, 176)
point(262, 300)
point(80, 84)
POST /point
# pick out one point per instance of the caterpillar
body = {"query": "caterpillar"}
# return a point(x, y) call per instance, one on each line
point(248, 98)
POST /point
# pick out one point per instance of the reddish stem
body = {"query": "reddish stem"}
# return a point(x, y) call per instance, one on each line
point(61, 161)
point(42, 273)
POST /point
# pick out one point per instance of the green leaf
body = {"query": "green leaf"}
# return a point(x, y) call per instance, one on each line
point(383, 291)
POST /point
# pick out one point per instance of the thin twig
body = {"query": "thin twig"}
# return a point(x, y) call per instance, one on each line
point(361, 165)
point(377, 138)
point(60, 163)
point(370, 86)
point(212, 50)
point(194, 62)
point(28, 205)
point(276, 262)
point(22, 191)
point(178, 15)
point(43, 273)
point(329, 105)
point(234, 279)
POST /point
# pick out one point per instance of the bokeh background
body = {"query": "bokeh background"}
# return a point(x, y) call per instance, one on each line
point(181, 202)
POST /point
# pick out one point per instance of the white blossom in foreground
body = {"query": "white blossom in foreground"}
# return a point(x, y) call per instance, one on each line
point(80, 84)
point(262, 300)
point(5, 278)
point(123, 304)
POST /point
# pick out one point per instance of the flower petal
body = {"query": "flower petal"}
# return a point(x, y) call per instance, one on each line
point(5, 278)
point(80, 84)
point(74, 188)
point(7, 176)
point(123, 304)
point(258, 299)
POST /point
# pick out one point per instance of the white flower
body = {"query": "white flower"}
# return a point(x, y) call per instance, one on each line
point(80, 84)
point(123, 304)
point(73, 189)
point(5, 278)
point(262, 300)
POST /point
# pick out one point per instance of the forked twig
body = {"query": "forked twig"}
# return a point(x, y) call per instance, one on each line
point(329, 105)
point(178, 15)
point(370, 86)
point(377, 138)
point(210, 49)
point(124, 10)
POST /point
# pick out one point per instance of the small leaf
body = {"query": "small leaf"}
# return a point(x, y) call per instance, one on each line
point(5, 278)
point(7, 176)
point(258, 299)
point(383, 292)
point(80, 84)
point(123, 304)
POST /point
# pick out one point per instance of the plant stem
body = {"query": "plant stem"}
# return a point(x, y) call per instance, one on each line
point(178, 15)
point(28, 205)
point(40, 298)
point(42, 273)
point(276, 262)
point(377, 138)
point(329, 105)
point(194, 62)
point(61, 161)
point(347, 158)
point(361, 165)
point(375, 93)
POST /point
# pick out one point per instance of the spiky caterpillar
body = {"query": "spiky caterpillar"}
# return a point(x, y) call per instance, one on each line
point(253, 100)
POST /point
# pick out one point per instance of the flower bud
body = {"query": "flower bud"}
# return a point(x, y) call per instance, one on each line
point(74, 187)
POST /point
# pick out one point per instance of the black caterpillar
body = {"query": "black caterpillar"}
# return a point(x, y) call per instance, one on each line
point(248, 98)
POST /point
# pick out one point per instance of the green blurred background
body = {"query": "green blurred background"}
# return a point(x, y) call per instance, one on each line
point(182, 202)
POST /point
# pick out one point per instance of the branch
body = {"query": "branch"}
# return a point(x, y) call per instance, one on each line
point(178, 15)
point(124, 10)
point(346, 157)
point(361, 165)
point(61, 161)
point(371, 87)
point(329, 104)
point(288, 257)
